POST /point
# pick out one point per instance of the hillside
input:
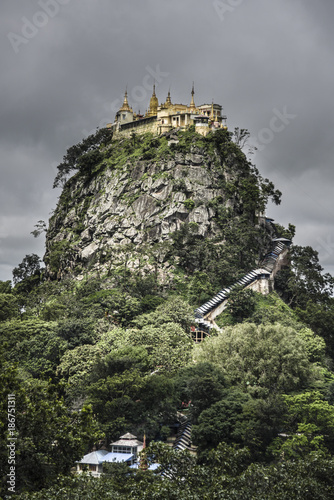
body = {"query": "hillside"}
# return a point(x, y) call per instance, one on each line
point(146, 198)
point(100, 342)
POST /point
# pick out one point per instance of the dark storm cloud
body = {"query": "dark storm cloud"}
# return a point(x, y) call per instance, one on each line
point(256, 58)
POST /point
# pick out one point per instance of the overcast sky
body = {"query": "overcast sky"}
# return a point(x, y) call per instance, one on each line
point(65, 65)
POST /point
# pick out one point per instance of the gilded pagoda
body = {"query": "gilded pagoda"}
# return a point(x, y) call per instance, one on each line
point(159, 119)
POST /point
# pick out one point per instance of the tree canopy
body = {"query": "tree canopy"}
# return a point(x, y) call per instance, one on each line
point(95, 351)
point(262, 359)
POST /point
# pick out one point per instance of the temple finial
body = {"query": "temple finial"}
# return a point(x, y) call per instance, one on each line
point(192, 103)
point(143, 465)
point(125, 105)
point(154, 103)
point(168, 100)
point(212, 116)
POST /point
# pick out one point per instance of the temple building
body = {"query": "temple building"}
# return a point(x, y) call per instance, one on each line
point(126, 450)
point(166, 116)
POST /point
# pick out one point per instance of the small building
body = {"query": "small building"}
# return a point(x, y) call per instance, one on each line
point(128, 444)
point(126, 449)
point(92, 463)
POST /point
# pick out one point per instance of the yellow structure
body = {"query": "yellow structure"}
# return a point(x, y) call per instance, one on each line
point(154, 104)
point(167, 116)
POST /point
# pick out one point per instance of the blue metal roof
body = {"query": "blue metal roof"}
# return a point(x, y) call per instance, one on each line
point(94, 458)
point(118, 457)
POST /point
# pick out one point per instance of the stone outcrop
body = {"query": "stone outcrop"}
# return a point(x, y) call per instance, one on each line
point(141, 203)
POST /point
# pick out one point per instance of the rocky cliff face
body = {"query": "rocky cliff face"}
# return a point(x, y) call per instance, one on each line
point(143, 191)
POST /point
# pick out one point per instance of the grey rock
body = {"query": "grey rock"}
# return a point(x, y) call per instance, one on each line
point(141, 204)
point(89, 250)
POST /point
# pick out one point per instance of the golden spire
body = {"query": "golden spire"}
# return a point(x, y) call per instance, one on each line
point(125, 105)
point(212, 116)
point(154, 103)
point(143, 465)
point(192, 103)
point(168, 100)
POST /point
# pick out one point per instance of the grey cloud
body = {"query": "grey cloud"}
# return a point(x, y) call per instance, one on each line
point(264, 55)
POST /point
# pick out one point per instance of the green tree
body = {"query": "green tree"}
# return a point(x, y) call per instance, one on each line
point(158, 404)
point(5, 287)
point(309, 426)
point(262, 359)
point(241, 303)
point(262, 419)
point(303, 280)
point(49, 438)
point(27, 275)
point(272, 309)
point(114, 401)
point(88, 161)
point(126, 393)
point(122, 306)
point(77, 331)
point(119, 360)
point(173, 310)
point(168, 346)
point(222, 421)
point(320, 318)
point(30, 266)
point(8, 306)
point(315, 345)
point(40, 228)
point(71, 160)
point(282, 232)
point(203, 384)
point(75, 367)
point(34, 344)
point(58, 255)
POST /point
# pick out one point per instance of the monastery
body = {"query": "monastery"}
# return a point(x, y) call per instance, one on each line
point(166, 116)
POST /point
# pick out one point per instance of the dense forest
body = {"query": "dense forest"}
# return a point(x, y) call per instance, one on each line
point(92, 348)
